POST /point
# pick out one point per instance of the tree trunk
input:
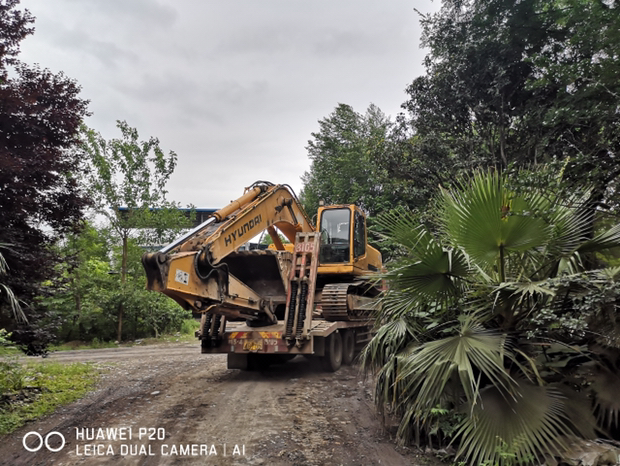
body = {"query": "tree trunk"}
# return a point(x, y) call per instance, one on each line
point(119, 331)
point(123, 280)
point(78, 308)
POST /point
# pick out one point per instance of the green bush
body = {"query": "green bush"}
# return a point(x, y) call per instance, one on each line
point(12, 375)
point(11, 372)
point(189, 326)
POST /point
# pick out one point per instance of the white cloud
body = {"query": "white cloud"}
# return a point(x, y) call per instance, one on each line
point(235, 88)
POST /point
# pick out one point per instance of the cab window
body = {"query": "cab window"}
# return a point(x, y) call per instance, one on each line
point(335, 236)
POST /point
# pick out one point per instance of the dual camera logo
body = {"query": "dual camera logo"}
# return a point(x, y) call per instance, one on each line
point(43, 441)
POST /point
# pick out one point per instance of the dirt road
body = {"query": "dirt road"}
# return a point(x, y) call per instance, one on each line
point(171, 405)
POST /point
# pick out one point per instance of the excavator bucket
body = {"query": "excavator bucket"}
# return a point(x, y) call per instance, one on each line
point(265, 271)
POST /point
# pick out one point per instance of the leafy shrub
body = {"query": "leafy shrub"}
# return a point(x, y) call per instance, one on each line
point(189, 326)
point(12, 375)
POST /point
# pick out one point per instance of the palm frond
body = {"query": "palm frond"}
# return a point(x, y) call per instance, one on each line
point(3, 265)
point(610, 273)
point(16, 308)
point(603, 241)
point(578, 411)
point(510, 300)
point(515, 300)
point(400, 226)
point(430, 272)
point(388, 341)
point(397, 304)
point(571, 222)
point(606, 402)
point(513, 266)
point(467, 355)
point(484, 218)
point(7, 294)
point(568, 265)
point(514, 430)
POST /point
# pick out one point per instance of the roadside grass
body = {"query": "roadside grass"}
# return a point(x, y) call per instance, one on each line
point(30, 391)
point(9, 351)
point(80, 345)
point(186, 335)
point(176, 338)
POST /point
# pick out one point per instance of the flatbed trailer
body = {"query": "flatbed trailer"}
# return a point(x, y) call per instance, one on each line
point(333, 343)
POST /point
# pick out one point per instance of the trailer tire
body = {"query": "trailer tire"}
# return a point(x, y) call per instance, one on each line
point(332, 360)
point(348, 347)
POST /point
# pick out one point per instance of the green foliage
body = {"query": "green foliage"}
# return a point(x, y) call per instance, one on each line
point(78, 301)
point(54, 384)
point(85, 301)
point(130, 173)
point(11, 372)
point(4, 335)
point(522, 83)
point(40, 197)
point(500, 315)
point(360, 159)
point(266, 239)
point(143, 167)
point(12, 375)
point(189, 326)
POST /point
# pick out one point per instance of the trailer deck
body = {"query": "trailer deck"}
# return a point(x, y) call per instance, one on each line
point(241, 338)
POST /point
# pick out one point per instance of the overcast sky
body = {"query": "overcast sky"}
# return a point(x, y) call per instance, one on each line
point(234, 87)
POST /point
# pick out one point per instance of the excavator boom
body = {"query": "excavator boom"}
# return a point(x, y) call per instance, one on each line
point(200, 270)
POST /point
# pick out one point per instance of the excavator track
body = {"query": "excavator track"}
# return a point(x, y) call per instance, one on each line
point(335, 303)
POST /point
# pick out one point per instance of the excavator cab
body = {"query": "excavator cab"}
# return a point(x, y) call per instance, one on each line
point(344, 246)
point(335, 228)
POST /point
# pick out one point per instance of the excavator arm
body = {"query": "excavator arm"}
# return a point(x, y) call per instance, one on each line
point(275, 207)
point(204, 271)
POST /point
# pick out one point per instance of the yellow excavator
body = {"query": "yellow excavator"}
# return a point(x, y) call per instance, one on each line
point(313, 295)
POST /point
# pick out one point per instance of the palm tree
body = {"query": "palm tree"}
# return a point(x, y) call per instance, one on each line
point(500, 319)
point(6, 294)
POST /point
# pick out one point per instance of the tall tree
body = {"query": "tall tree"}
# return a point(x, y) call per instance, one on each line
point(359, 158)
point(521, 82)
point(579, 68)
point(40, 116)
point(474, 94)
point(79, 297)
point(128, 180)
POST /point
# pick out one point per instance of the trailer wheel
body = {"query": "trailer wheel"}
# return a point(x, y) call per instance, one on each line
point(348, 347)
point(332, 360)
